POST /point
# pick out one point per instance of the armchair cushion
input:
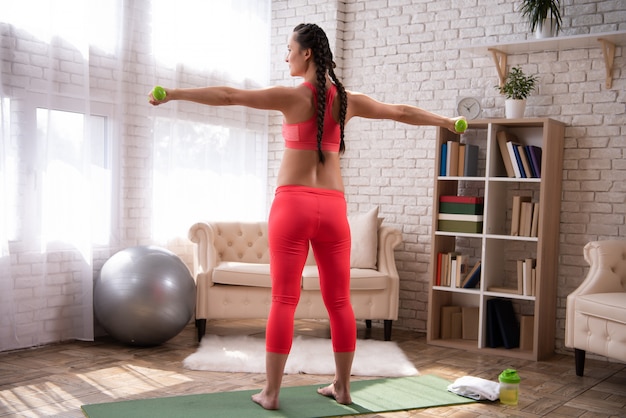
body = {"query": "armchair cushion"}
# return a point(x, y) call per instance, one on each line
point(243, 274)
point(605, 306)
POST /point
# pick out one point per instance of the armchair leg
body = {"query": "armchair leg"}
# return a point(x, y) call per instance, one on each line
point(579, 358)
point(387, 327)
point(201, 326)
point(388, 323)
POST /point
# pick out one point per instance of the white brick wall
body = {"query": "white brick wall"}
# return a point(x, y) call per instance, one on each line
point(411, 51)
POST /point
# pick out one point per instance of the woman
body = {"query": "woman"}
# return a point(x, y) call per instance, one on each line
point(309, 204)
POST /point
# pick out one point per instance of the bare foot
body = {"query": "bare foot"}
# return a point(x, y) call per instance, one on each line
point(265, 401)
point(341, 395)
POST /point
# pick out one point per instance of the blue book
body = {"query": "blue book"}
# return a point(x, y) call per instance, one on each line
point(473, 277)
point(519, 162)
point(535, 158)
point(444, 158)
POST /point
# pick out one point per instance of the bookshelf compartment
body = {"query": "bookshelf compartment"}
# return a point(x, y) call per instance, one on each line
point(503, 273)
point(520, 326)
point(455, 309)
point(504, 207)
point(454, 251)
point(501, 246)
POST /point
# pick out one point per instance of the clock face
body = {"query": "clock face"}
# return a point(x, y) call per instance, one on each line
point(468, 107)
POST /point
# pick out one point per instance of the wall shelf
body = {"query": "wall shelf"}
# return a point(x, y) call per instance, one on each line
point(606, 41)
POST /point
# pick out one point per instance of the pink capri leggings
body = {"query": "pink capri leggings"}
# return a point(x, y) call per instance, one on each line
point(300, 215)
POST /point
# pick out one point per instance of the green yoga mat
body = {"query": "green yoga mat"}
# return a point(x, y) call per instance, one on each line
point(368, 396)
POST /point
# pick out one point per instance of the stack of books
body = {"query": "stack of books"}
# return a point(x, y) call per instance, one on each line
point(459, 322)
point(524, 217)
point(520, 161)
point(460, 214)
point(453, 270)
point(458, 159)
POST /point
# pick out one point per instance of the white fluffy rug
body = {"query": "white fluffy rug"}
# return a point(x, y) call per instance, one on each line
point(308, 356)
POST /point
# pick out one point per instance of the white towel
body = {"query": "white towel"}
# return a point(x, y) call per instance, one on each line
point(476, 388)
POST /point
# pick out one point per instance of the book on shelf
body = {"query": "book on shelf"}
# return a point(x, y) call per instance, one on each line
point(527, 332)
point(507, 325)
point(520, 161)
point(451, 322)
point(458, 159)
point(470, 317)
point(459, 217)
point(460, 214)
point(470, 167)
point(461, 208)
point(474, 200)
point(534, 154)
point(521, 151)
point(534, 224)
point(459, 226)
point(493, 335)
point(452, 160)
point(527, 276)
point(516, 210)
point(460, 162)
point(503, 137)
point(503, 289)
point(472, 279)
point(526, 218)
point(452, 269)
point(516, 162)
point(444, 159)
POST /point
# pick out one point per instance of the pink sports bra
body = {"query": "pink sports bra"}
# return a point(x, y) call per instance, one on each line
point(303, 135)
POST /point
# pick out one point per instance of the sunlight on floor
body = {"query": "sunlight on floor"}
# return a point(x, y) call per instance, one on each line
point(115, 382)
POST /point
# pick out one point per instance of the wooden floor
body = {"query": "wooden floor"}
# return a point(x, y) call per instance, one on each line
point(56, 380)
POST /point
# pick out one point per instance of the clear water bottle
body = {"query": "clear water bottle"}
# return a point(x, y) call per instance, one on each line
point(509, 387)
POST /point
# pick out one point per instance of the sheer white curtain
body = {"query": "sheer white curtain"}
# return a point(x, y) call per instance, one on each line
point(87, 167)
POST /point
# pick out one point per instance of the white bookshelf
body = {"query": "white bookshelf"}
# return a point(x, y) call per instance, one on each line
point(495, 247)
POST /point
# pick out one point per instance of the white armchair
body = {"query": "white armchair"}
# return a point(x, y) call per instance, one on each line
point(596, 311)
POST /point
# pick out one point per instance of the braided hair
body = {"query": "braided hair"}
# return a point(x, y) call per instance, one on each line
point(311, 36)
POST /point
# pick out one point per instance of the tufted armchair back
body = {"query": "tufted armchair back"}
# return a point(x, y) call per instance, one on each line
point(241, 242)
point(607, 259)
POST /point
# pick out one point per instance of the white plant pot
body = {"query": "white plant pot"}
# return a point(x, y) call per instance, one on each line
point(546, 29)
point(514, 109)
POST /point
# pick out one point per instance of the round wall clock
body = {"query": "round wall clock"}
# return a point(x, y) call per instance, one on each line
point(468, 107)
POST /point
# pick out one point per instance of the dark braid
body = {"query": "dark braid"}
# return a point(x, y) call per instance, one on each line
point(313, 37)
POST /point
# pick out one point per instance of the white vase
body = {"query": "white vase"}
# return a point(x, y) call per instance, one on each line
point(514, 109)
point(545, 29)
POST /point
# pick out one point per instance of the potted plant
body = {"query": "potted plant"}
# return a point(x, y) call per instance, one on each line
point(516, 88)
point(544, 16)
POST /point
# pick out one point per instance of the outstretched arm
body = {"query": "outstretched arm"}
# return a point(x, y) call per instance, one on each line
point(366, 107)
point(271, 98)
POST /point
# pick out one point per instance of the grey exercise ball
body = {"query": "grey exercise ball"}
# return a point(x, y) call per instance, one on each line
point(144, 296)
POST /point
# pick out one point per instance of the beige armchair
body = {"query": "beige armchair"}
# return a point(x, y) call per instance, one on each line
point(596, 311)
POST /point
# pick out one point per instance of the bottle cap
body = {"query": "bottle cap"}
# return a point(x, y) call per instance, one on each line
point(509, 376)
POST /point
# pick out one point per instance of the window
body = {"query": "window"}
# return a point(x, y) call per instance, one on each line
point(74, 182)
